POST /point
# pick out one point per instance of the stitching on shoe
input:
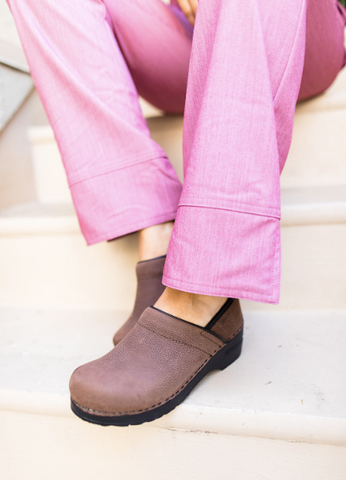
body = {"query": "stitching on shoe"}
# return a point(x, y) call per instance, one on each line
point(177, 341)
point(86, 409)
point(236, 333)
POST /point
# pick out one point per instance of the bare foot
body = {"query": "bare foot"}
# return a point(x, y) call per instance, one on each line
point(197, 309)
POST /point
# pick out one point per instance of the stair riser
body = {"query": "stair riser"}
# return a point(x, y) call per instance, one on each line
point(55, 448)
point(317, 154)
point(60, 270)
point(50, 178)
point(313, 269)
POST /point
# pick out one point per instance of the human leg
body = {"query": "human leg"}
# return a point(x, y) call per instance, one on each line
point(121, 181)
point(229, 95)
point(325, 51)
point(161, 359)
point(238, 122)
point(324, 57)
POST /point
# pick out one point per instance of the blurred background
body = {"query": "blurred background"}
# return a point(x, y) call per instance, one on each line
point(16, 95)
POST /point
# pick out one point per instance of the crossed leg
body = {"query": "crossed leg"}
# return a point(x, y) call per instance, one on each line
point(89, 59)
point(246, 68)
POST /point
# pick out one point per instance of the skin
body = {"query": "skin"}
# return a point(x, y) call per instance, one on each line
point(189, 8)
point(194, 308)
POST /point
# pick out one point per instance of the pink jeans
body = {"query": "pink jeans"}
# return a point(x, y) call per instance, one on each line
point(90, 58)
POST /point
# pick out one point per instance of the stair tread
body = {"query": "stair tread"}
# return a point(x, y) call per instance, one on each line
point(313, 195)
point(288, 383)
point(36, 209)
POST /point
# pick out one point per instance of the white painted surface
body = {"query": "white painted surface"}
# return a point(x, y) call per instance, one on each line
point(45, 261)
point(8, 31)
point(50, 177)
point(36, 447)
point(56, 448)
point(15, 87)
point(16, 172)
point(317, 156)
point(13, 55)
point(277, 412)
point(288, 384)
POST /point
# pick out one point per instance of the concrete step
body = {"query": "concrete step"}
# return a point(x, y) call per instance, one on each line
point(279, 412)
point(45, 261)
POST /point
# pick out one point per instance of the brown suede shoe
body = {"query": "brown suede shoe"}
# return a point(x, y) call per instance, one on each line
point(155, 367)
point(149, 290)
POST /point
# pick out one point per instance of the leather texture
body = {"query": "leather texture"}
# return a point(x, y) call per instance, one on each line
point(152, 364)
point(149, 289)
point(233, 316)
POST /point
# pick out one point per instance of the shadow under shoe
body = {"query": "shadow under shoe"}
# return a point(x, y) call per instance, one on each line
point(149, 290)
point(155, 367)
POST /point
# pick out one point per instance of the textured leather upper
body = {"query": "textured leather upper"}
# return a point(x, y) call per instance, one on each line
point(149, 289)
point(232, 317)
point(152, 364)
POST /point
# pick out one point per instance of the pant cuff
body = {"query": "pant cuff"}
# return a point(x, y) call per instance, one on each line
point(225, 253)
point(124, 201)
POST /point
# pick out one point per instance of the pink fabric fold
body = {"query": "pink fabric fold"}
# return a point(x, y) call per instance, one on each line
point(250, 62)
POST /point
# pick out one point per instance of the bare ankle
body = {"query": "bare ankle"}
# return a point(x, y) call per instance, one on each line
point(194, 308)
point(153, 241)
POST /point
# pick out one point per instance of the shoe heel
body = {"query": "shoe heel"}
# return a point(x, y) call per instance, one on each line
point(230, 352)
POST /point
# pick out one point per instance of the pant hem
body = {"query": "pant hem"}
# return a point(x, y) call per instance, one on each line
point(127, 200)
point(217, 292)
point(132, 228)
point(224, 253)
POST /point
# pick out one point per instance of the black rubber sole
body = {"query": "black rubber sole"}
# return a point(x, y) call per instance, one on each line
point(227, 355)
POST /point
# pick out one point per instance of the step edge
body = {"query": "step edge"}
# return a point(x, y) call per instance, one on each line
point(40, 134)
point(292, 215)
point(204, 419)
point(313, 214)
point(67, 224)
point(326, 101)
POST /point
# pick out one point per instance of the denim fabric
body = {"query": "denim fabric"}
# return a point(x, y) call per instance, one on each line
point(89, 59)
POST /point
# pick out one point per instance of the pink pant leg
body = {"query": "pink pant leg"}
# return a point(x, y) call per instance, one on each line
point(120, 179)
point(325, 52)
point(245, 72)
point(155, 40)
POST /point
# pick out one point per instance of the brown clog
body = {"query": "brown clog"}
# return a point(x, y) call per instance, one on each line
point(155, 367)
point(149, 290)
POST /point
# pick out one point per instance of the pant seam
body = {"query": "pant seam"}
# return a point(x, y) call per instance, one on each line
point(202, 284)
point(253, 296)
point(235, 210)
point(145, 160)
